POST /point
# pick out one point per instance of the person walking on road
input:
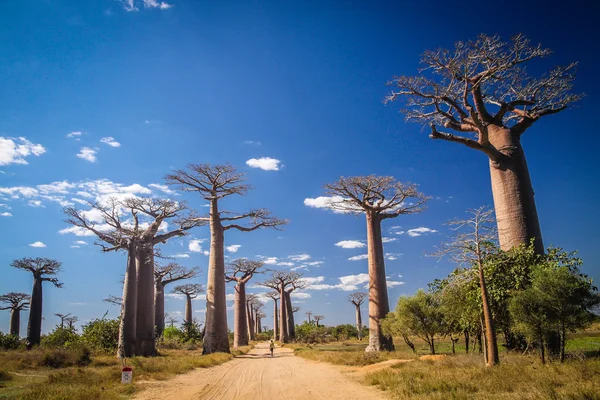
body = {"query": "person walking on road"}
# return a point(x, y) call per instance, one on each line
point(272, 347)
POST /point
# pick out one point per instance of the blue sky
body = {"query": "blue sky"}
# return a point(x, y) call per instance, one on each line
point(299, 82)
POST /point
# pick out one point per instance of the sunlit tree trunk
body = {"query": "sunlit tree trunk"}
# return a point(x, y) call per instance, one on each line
point(34, 327)
point(378, 297)
point(159, 307)
point(216, 339)
point(240, 330)
point(127, 325)
point(275, 319)
point(145, 336)
point(188, 310)
point(15, 322)
point(514, 202)
point(283, 332)
point(290, 316)
point(359, 322)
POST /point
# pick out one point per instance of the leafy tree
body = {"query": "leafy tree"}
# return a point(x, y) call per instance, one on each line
point(344, 332)
point(101, 334)
point(61, 337)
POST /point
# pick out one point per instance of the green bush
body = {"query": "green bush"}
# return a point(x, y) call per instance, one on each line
point(310, 333)
point(61, 337)
point(263, 336)
point(101, 334)
point(9, 342)
point(344, 332)
point(77, 355)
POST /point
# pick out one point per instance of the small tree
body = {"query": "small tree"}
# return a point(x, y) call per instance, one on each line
point(308, 316)
point(16, 303)
point(213, 183)
point(43, 270)
point(190, 291)
point(482, 92)
point(274, 295)
point(63, 317)
point(319, 318)
point(379, 198)
point(241, 271)
point(419, 315)
point(163, 276)
point(358, 299)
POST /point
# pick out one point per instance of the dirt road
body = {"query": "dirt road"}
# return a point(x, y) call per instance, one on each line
point(258, 376)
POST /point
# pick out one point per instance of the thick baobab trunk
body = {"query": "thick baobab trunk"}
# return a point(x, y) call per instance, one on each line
point(34, 327)
point(188, 309)
point(215, 338)
point(514, 201)
point(378, 296)
point(359, 322)
point(249, 322)
point(490, 329)
point(240, 330)
point(275, 319)
point(127, 326)
point(15, 322)
point(283, 332)
point(291, 325)
point(145, 336)
point(258, 326)
point(159, 307)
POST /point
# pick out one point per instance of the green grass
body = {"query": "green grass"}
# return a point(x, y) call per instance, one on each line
point(24, 375)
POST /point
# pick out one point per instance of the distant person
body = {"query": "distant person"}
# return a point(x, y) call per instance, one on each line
point(272, 347)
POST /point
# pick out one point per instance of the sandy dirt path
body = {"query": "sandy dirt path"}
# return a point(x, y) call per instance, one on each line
point(257, 375)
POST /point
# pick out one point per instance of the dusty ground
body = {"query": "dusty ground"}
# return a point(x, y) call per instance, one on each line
point(257, 375)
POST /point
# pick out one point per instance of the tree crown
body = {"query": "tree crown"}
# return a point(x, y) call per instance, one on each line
point(41, 268)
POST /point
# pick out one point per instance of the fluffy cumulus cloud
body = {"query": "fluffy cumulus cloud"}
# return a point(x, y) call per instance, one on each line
point(162, 188)
point(87, 154)
point(14, 150)
point(350, 244)
point(75, 135)
point(300, 257)
point(195, 247)
point(81, 242)
point(346, 283)
point(388, 239)
point(5, 214)
point(109, 140)
point(270, 260)
point(37, 244)
point(264, 163)
point(417, 231)
point(233, 248)
point(337, 204)
point(392, 256)
point(359, 257)
point(132, 5)
point(286, 264)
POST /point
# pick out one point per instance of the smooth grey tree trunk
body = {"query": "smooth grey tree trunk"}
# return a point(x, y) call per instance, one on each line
point(127, 326)
point(378, 296)
point(283, 332)
point(359, 322)
point(240, 330)
point(34, 327)
point(275, 319)
point(145, 336)
point(159, 307)
point(188, 309)
point(216, 338)
point(15, 322)
point(290, 316)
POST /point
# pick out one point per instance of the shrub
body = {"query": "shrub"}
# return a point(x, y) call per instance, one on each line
point(66, 357)
point(309, 333)
point(101, 334)
point(61, 337)
point(9, 342)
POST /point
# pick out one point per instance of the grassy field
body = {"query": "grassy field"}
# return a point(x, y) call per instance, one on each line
point(60, 374)
point(465, 377)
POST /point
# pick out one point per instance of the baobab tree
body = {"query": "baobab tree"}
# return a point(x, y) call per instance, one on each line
point(190, 291)
point(163, 276)
point(213, 183)
point(259, 316)
point(257, 307)
point(16, 303)
point(71, 321)
point(138, 237)
point(474, 240)
point(379, 198)
point(114, 300)
point(43, 270)
point(285, 283)
point(171, 320)
point(250, 300)
point(358, 299)
point(309, 315)
point(274, 295)
point(63, 317)
point(241, 271)
point(318, 318)
point(482, 92)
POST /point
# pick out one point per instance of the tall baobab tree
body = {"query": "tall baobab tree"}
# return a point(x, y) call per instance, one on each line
point(190, 291)
point(43, 270)
point(474, 240)
point(274, 295)
point(250, 300)
point(285, 283)
point(358, 299)
point(213, 183)
point(163, 276)
point(309, 315)
point(379, 198)
point(240, 271)
point(16, 303)
point(319, 318)
point(259, 316)
point(63, 317)
point(257, 307)
point(482, 92)
point(138, 237)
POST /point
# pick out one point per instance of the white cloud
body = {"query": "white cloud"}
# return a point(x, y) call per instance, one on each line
point(264, 163)
point(85, 194)
point(301, 295)
point(350, 244)
point(35, 203)
point(180, 255)
point(394, 283)
point(87, 154)
point(313, 280)
point(270, 260)
point(60, 187)
point(346, 283)
point(360, 257)
point(252, 142)
point(194, 245)
point(299, 257)
point(157, 4)
point(14, 151)
point(314, 263)
point(388, 239)
point(286, 264)
point(81, 242)
point(129, 5)
point(77, 231)
point(417, 231)
point(163, 188)
point(233, 248)
point(392, 256)
point(75, 247)
point(37, 244)
point(325, 202)
point(75, 135)
point(6, 214)
point(109, 140)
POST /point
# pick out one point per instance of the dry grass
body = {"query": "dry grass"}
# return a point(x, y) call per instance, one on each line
point(347, 353)
point(23, 377)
